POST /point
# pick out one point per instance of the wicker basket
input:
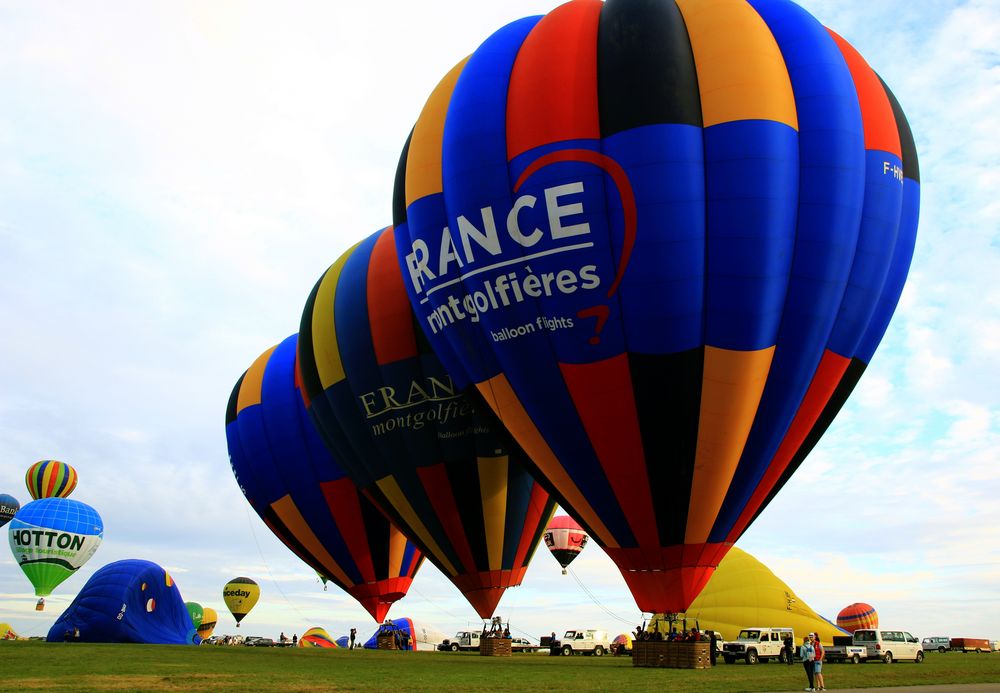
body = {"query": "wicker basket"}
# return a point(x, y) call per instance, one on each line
point(673, 655)
point(495, 647)
point(386, 642)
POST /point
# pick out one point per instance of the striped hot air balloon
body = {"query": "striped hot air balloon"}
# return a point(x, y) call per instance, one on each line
point(430, 454)
point(50, 479)
point(317, 637)
point(565, 538)
point(303, 493)
point(857, 615)
point(664, 239)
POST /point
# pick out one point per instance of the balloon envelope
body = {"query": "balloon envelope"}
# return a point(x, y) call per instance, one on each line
point(240, 595)
point(8, 508)
point(565, 538)
point(317, 637)
point(434, 458)
point(50, 479)
point(128, 601)
point(664, 242)
point(742, 593)
point(396, 625)
point(52, 538)
point(303, 494)
point(858, 615)
point(196, 612)
point(209, 619)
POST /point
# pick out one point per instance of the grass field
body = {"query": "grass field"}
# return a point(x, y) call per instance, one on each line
point(38, 666)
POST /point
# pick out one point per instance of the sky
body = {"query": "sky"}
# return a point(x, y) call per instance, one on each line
point(175, 176)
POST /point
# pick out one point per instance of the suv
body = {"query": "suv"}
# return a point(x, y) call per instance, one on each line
point(937, 643)
point(589, 641)
point(757, 645)
point(463, 640)
point(889, 645)
point(257, 641)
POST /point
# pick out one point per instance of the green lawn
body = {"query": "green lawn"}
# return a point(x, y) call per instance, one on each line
point(38, 666)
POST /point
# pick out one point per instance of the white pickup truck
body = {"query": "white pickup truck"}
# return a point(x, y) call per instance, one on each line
point(588, 642)
point(463, 640)
point(844, 650)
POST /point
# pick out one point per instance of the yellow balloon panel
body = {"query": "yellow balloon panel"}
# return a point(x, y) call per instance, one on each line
point(742, 593)
point(208, 620)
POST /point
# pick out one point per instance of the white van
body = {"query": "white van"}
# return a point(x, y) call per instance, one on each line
point(889, 645)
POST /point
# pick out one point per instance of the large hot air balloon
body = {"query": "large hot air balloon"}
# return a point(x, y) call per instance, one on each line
point(433, 457)
point(664, 240)
point(857, 615)
point(304, 495)
point(240, 595)
point(565, 538)
point(196, 612)
point(51, 538)
point(128, 601)
point(50, 479)
point(8, 508)
point(209, 619)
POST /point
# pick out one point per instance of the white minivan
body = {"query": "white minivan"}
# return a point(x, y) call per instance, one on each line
point(889, 645)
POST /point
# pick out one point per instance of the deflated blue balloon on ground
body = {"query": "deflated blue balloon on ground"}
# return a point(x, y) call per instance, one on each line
point(128, 601)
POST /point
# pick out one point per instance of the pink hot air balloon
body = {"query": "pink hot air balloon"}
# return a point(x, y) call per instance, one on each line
point(565, 538)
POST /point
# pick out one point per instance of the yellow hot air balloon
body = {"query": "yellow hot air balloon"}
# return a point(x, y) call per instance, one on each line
point(743, 592)
point(209, 618)
point(240, 595)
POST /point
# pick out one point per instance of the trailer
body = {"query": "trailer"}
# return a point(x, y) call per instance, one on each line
point(976, 645)
point(844, 650)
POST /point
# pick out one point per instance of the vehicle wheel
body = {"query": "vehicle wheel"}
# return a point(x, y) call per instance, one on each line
point(598, 651)
point(941, 650)
point(979, 651)
point(855, 659)
point(454, 647)
point(567, 650)
point(887, 658)
point(752, 657)
point(729, 660)
point(919, 658)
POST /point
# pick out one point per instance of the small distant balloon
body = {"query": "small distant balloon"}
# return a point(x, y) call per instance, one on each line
point(196, 612)
point(857, 615)
point(208, 620)
point(8, 508)
point(240, 595)
point(50, 479)
point(317, 637)
point(565, 538)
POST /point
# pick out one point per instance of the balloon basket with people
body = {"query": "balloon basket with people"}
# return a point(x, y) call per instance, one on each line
point(495, 640)
point(683, 648)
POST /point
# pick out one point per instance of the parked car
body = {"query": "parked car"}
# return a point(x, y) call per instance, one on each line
point(937, 643)
point(256, 641)
point(463, 640)
point(757, 645)
point(889, 645)
point(522, 645)
point(588, 642)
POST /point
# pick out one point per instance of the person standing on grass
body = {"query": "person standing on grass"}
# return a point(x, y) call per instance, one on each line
point(789, 644)
point(295, 639)
point(807, 653)
point(818, 646)
point(354, 633)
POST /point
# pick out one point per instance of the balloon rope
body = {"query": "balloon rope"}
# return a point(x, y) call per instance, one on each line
point(594, 599)
point(268, 568)
point(413, 588)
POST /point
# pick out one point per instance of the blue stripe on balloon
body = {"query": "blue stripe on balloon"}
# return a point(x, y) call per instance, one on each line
point(752, 173)
point(830, 198)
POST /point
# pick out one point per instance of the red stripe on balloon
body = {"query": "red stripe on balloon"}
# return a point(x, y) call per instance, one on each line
point(828, 375)
point(388, 306)
point(536, 506)
point(602, 394)
point(552, 95)
point(345, 507)
point(439, 492)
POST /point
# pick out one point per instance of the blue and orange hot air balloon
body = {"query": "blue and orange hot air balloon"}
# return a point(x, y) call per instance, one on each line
point(664, 240)
point(303, 494)
point(50, 479)
point(433, 457)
